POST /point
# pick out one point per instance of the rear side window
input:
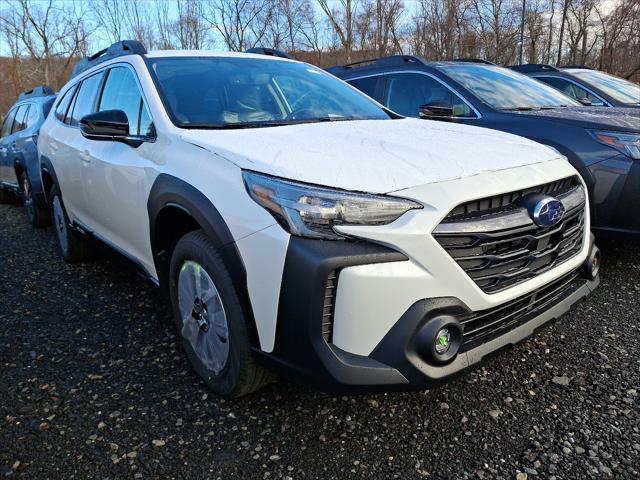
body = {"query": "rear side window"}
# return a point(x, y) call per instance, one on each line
point(63, 104)
point(32, 116)
point(8, 123)
point(571, 89)
point(407, 92)
point(121, 92)
point(85, 101)
point(366, 85)
point(20, 121)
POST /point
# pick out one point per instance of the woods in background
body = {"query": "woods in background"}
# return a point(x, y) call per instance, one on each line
point(42, 39)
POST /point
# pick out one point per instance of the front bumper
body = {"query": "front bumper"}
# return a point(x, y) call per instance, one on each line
point(305, 349)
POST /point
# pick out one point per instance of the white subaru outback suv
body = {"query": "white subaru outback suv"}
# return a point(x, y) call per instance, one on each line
point(301, 228)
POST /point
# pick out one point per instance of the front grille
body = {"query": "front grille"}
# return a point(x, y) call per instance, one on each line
point(481, 327)
point(504, 247)
point(329, 306)
point(487, 205)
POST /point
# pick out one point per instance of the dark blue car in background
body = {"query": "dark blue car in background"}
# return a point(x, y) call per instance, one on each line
point(602, 143)
point(589, 87)
point(19, 171)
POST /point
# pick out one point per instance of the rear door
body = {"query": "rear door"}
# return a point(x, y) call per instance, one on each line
point(7, 174)
point(72, 158)
point(11, 152)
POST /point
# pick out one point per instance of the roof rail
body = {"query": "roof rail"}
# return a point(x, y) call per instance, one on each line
point(390, 61)
point(270, 52)
point(475, 60)
point(41, 91)
point(118, 49)
point(584, 67)
point(534, 67)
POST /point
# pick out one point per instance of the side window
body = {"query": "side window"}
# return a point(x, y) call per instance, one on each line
point(366, 85)
point(20, 121)
point(32, 116)
point(121, 92)
point(8, 123)
point(63, 104)
point(407, 92)
point(85, 101)
point(571, 89)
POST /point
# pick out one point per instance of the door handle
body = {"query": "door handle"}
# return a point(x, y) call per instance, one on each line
point(85, 156)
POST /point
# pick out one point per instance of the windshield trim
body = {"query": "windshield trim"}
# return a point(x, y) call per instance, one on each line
point(149, 61)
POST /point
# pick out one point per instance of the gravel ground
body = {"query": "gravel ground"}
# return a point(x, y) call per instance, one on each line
point(94, 384)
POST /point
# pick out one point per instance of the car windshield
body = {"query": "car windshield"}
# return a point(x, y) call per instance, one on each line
point(622, 90)
point(504, 89)
point(236, 92)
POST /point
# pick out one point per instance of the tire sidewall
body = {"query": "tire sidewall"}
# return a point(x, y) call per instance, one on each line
point(32, 210)
point(56, 194)
point(189, 249)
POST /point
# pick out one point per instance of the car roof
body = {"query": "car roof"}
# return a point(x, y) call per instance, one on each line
point(211, 53)
point(399, 62)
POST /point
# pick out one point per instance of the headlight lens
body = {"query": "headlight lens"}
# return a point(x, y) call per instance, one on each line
point(627, 143)
point(310, 211)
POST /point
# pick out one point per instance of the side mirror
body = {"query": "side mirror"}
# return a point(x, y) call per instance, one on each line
point(585, 101)
point(108, 125)
point(436, 111)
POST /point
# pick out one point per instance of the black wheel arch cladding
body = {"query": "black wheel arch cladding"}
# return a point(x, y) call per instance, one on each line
point(171, 192)
point(47, 171)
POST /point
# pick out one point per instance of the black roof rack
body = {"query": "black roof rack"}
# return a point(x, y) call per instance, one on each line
point(118, 49)
point(534, 67)
point(475, 60)
point(584, 67)
point(270, 52)
point(390, 61)
point(41, 91)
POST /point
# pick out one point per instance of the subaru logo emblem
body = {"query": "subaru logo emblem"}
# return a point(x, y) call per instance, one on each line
point(548, 212)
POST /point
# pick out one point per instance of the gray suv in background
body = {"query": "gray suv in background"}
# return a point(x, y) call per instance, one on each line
point(19, 171)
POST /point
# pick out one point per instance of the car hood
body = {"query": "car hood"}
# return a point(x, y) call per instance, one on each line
point(626, 119)
point(377, 156)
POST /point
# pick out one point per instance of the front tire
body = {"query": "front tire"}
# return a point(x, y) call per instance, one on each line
point(210, 319)
point(74, 247)
point(36, 214)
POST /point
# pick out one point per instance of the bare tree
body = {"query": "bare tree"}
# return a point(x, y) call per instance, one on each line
point(51, 33)
point(190, 28)
point(242, 23)
point(342, 19)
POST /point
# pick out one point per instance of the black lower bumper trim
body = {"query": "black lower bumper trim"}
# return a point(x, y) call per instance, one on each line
point(303, 354)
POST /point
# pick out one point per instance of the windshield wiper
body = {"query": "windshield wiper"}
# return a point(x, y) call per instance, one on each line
point(234, 126)
point(270, 123)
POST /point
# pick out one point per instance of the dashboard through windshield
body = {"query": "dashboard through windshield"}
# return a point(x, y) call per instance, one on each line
point(234, 92)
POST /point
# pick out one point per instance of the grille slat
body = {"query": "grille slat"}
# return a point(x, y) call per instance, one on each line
point(495, 257)
point(329, 306)
point(480, 327)
point(476, 207)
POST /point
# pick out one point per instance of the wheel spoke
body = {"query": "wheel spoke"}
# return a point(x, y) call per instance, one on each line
point(204, 321)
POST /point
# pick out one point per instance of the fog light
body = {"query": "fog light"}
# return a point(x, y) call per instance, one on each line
point(439, 340)
point(443, 341)
point(591, 267)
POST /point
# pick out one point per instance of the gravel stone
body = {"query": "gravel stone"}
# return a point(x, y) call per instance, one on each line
point(91, 350)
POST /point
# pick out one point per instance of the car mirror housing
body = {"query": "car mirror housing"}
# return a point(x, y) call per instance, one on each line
point(109, 125)
point(436, 110)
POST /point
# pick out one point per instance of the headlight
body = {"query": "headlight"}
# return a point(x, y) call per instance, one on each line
point(310, 211)
point(627, 143)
